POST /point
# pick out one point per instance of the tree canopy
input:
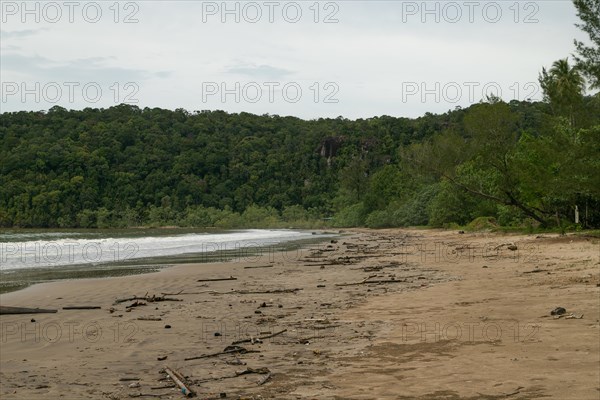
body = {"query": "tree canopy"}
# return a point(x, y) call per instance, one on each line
point(126, 166)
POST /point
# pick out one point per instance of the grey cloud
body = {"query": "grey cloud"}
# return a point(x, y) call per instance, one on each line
point(20, 34)
point(93, 69)
point(259, 71)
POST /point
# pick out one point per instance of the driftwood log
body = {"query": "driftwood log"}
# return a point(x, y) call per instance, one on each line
point(180, 381)
point(149, 299)
point(231, 278)
point(372, 281)
point(25, 310)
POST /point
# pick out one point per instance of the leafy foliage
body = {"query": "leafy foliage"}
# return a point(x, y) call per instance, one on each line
point(126, 166)
point(588, 56)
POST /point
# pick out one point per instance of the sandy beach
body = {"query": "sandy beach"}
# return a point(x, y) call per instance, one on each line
point(385, 314)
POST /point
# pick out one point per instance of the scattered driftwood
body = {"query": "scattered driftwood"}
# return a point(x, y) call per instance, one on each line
point(82, 308)
point(129, 378)
point(149, 319)
point(272, 291)
point(231, 278)
point(366, 282)
point(228, 350)
point(25, 310)
point(266, 291)
point(253, 340)
point(259, 266)
point(135, 304)
point(361, 256)
point(149, 299)
point(180, 381)
point(148, 395)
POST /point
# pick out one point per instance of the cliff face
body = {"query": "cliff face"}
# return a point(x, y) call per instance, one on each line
point(330, 146)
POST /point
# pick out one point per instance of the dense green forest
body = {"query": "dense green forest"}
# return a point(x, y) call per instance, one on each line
point(521, 164)
point(124, 166)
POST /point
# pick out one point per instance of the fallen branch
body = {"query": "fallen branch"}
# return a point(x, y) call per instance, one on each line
point(149, 319)
point(231, 278)
point(362, 256)
point(148, 394)
point(179, 381)
point(254, 291)
point(82, 308)
point(149, 299)
point(259, 266)
point(376, 282)
point(24, 310)
point(266, 291)
point(135, 304)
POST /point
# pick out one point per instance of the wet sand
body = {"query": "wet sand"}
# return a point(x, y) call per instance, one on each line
point(386, 314)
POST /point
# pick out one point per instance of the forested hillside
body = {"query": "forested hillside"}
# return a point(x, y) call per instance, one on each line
point(125, 166)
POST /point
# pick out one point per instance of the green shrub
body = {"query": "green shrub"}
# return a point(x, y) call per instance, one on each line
point(350, 216)
point(381, 219)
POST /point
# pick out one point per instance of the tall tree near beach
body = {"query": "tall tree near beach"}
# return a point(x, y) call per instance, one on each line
point(588, 56)
point(563, 88)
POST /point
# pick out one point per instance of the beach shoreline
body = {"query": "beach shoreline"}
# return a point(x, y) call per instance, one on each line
point(56, 260)
point(372, 315)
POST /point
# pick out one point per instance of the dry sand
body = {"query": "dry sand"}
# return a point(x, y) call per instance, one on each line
point(452, 316)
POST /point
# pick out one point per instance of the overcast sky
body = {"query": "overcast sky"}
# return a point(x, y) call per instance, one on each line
point(355, 59)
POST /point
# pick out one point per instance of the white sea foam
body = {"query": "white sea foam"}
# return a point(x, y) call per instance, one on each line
point(69, 250)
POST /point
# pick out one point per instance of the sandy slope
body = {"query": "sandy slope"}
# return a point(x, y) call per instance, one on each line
point(441, 327)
